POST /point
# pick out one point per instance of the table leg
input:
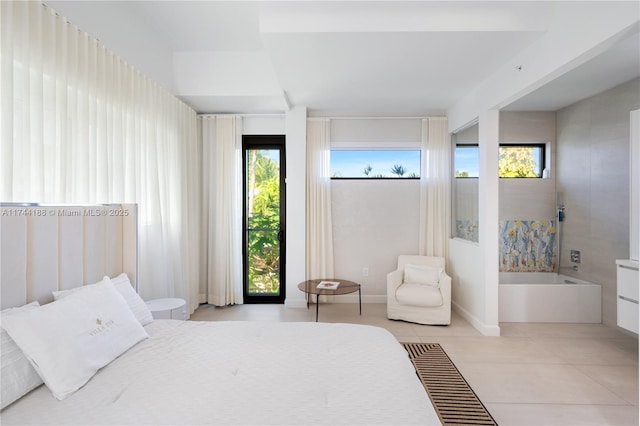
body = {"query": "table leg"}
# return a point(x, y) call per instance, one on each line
point(317, 305)
point(360, 298)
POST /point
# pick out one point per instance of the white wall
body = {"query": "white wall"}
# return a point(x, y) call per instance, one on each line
point(465, 266)
point(488, 190)
point(374, 221)
point(296, 154)
point(474, 266)
point(264, 125)
point(593, 175)
point(375, 133)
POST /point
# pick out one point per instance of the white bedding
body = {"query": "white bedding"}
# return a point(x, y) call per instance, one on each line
point(226, 373)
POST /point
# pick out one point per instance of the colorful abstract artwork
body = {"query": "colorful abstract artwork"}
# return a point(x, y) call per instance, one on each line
point(528, 245)
point(467, 230)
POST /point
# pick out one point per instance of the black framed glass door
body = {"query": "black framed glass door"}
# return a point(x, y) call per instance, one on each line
point(264, 218)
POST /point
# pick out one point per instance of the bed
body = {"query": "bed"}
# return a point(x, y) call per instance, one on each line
point(190, 372)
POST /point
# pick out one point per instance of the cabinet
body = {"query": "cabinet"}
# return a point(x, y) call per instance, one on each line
point(169, 308)
point(628, 294)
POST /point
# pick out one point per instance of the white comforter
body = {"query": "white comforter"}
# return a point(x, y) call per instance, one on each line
point(227, 373)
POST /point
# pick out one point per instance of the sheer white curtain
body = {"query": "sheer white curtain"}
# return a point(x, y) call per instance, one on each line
point(221, 249)
point(435, 184)
point(79, 125)
point(319, 252)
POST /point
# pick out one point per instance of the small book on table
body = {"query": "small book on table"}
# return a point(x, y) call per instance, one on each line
point(328, 285)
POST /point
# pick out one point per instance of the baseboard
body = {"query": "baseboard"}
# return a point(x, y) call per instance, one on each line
point(486, 330)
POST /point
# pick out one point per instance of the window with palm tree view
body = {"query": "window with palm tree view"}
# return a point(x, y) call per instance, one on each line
point(375, 164)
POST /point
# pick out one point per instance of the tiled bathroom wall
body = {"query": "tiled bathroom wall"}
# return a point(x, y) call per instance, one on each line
point(528, 246)
point(593, 177)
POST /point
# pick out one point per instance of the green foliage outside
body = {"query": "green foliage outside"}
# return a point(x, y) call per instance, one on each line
point(514, 161)
point(263, 175)
point(517, 162)
point(398, 170)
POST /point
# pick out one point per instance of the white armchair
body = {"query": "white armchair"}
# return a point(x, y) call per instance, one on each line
point(419, 291)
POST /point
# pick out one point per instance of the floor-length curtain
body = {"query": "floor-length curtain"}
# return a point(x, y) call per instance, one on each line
point(79, 125)
point(221, 248)
point(435, 184)
point(319, 249)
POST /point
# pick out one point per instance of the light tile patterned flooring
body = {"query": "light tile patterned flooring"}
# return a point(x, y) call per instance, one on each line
point(534, 374)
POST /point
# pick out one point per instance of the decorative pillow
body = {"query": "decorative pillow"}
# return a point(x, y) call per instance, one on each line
point(418, 274)
point(18, 376)
point(69, 340)
point(124, 287)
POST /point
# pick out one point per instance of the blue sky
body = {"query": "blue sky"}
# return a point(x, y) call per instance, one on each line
point(351, 163)
point(346, 163)
point(467, 160)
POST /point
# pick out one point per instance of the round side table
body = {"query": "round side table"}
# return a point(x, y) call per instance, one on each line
point(169, 308)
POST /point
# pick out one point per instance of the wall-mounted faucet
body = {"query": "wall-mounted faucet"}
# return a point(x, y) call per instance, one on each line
point(561, 212)
point(574, 268)
point(575, 256)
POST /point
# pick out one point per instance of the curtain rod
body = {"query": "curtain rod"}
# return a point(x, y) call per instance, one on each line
point(376, 118)
point(243, 115)
point(328, 117)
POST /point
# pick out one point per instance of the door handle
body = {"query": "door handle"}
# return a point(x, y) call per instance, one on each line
point(280, 235)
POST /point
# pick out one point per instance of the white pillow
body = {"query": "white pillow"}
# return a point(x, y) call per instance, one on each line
point(418, 274)
point(135, 302)
point(124, 287)
point(18, 376)
point(69, 340)
point(59, 294)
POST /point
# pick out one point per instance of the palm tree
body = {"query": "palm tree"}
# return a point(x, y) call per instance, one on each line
point(398, 170)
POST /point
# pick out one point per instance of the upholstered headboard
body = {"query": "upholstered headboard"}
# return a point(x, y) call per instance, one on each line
point(54, 247)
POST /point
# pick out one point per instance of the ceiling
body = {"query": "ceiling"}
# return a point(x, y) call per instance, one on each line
point(375, 58)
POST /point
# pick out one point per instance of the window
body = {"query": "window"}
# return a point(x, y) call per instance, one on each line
point(521, 161)
point(515, 161)
point(375, 164)
point(464, 188)
point(466, 161)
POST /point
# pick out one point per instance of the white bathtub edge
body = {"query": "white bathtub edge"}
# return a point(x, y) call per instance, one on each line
point(561, 303)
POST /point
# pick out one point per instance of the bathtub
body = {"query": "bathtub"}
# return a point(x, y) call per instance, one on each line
point(548, 297)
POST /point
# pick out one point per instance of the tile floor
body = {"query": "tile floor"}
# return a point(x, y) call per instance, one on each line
point(534, 374)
